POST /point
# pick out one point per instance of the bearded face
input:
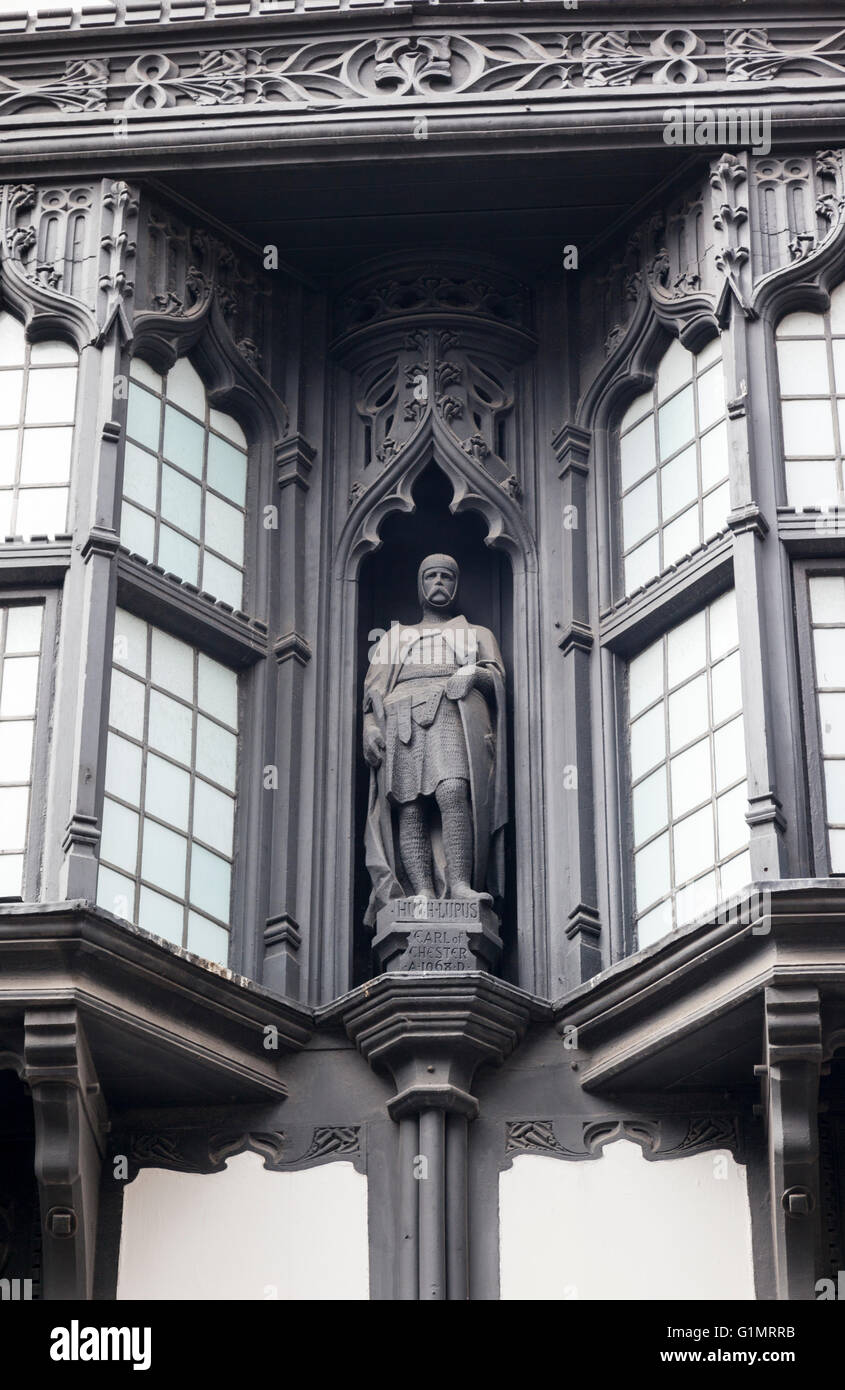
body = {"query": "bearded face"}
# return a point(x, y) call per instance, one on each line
point(438, 581)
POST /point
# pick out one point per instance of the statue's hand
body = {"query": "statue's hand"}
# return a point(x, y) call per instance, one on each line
point(373, 747)
point(461, 683)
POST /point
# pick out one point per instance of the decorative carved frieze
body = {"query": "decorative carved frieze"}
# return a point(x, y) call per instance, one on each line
point(205, 1149)
point(662, 1138)
point(430, 64)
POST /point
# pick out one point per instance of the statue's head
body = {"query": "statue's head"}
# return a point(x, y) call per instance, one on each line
point(437, 581)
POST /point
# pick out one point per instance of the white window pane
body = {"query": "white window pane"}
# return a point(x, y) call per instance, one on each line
point(123, 769)
point(42, 512)
point(181, 500)
point(645, 678)
point(207, 939)
point(216, 753)
point(184, 441)
point(691, 778)
point(675, 370)
point(161, 916)
point(724, 632)
point(164, 857)
point(6, 501)
point(652, 873)
point(714, 511)
point(637, 452)
point(170, 727)
point(167, 792)
point(676, 423)
point(838, 366)
point(12, 341)
point(211, 882)
point(636, 410)
point(177, 555)
point(708, 355)
point(836, 841)
point(832, 720)
point(119, 837)
point(696, 899)
point(53, 354)
point(688, 715)
point(711, 397)
point(803, 324)
point(23, 628)
point(51, 396)
point(222, 580)
point(834, 782)
point(827, 598)
point(226, 425)
point(829, 647)
point(217, 690)
point(727, 688)
point(129, 647)
point(803, 369)
point(126, 708)
point(139, 370)
point(648, 741)
point(11, 875)
point(730, 815)
point(681, 537)
point(837, 309)
point(140, 476)
point(811, 483)
point(143, 417)
point(14, 812)
point(137, 531)
point(642, 564)
point(214, 817)
point(227, 470)
point(11, 386)
point(729, 753)
point(808, 429)
point(692, 840)
point(16, 750)
point(20, 685)
point(224, 529)
point(185, 388)
point(735, 875)
point(172, 664)
point(116, 894)
point(45, 456)
point(654, 925)
point(8, 454)
point(650, 803)
point(679, 483)
point(714, 456)
point(686, 648)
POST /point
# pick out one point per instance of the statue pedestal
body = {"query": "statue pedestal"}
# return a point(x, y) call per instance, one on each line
point(434, 935)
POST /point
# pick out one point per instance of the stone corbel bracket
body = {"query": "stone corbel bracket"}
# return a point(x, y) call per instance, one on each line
point(431, 1033)
point(70, 1128)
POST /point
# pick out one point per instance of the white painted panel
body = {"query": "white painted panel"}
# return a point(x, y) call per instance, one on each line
point(621, 1227)
point(245, 1233)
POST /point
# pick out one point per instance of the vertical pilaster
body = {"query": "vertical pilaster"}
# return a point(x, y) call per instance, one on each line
point(575, 640)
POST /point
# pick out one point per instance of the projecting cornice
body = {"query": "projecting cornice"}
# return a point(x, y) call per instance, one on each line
point(226, 70)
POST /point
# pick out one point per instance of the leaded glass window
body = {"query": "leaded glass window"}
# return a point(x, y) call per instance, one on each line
point(687, 766)
point(167, 843)
point(827, 607)
point(184, 481)
point(811, 364)
point(20, 660)
point(673, 462)
point(37, 410)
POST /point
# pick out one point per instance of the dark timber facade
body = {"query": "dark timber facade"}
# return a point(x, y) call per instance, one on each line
point(293, 293)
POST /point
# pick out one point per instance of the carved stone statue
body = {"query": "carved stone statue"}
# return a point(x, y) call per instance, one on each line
point(434, 737)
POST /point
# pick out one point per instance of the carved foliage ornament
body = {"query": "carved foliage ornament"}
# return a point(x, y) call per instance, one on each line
point(504, 63)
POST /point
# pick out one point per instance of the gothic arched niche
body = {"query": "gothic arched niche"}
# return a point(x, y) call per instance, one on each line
point(387, 591)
